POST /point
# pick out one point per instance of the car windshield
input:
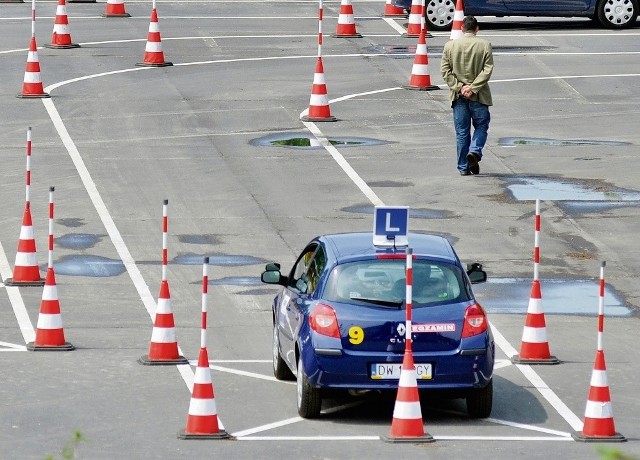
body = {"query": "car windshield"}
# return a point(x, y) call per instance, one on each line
point(382, 282)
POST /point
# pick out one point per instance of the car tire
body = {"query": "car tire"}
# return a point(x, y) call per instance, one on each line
point(439, 14)
point(617, 14)
point(309, 399)
point(480, 401)
point(280, 369)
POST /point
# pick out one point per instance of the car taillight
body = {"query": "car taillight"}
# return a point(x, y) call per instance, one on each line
point(475, 321)
point(324, 321)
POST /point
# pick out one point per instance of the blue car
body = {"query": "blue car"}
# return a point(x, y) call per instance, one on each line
point(613, 14)
point(339, 321)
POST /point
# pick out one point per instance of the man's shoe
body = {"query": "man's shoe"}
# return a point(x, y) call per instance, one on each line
point(465, 172)
point(473, 160)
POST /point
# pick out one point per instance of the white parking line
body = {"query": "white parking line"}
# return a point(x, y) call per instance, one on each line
point(26, 327)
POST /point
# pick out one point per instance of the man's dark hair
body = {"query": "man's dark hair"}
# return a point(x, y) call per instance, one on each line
point(469, 24)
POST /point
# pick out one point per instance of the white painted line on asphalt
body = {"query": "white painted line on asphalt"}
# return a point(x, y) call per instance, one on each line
point(26, 327)
point(268, 426)
point(500, 363)
point(248, 374)
point(537, 381)
point(394, 25)
point(377, 438)
point(12, 347)
point(528, 427)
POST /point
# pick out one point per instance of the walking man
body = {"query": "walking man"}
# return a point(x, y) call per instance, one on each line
point(467, 64)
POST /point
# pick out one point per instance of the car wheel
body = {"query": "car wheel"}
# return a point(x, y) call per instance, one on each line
point(480, 401)
point(439, 14)
point(309, 400)
point(617, 14)
point(280, 369)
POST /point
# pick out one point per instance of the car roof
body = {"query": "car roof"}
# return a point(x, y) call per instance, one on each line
point(347, 246)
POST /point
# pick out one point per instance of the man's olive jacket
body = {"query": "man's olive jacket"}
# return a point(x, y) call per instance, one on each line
point(468, 60)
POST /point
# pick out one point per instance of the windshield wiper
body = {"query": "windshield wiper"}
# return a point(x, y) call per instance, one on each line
point(383, 303)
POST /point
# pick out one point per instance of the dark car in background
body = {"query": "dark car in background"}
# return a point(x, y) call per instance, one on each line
point(613, 14)
point(339, 321)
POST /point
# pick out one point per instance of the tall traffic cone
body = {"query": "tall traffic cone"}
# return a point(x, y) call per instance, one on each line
point(25, 270)
point(61, 37)
point(407, 423)
point(599, 425)
point(153, 55)
point(32, 85)
point(49, 331)
point(115, 9)
point(346, 24)
point(416, 14)
point(319, 102)
point(163, 348)
point(420, 77)
point(202, 419)
point(534, 348)
point(391, 10)
point(458, 17)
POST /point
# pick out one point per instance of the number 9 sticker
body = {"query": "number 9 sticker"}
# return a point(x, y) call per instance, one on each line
point(356, 335)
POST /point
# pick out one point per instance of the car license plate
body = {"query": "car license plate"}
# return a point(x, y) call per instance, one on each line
point(392, 371)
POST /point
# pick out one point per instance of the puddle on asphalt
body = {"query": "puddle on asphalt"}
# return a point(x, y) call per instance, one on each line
point(236, 281)
point(84, 265)
point(555, 190)
point(559, 297)
point(198, 239)
point(71, 222)
point(225, 260)
point(416, 213)
point(595, 206)
point(307, 141)
point(513, 141)
point(78, 240)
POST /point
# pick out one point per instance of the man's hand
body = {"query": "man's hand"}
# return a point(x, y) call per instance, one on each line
point(466, 91)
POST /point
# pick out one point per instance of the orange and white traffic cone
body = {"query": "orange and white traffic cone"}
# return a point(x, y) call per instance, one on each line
point(458, 17)
point(420, 78)
point(534, 348)
point(346, 23)
point(49, 331)
point(32, 85)
point(25, 270)
point(115, 9)
point(163, 348)
point(202, 419)
point(153, 55)
point(407, 423)
point(391, 10)
point(61, 37)
point(319, 102)
point(416, 14)
point(599, 425)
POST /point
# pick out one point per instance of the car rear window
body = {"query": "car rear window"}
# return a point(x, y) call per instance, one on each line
point(383, 280)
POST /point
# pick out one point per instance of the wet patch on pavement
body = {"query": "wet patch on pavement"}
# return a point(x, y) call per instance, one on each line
point(199, 239)
point(307, 141)
point(224, 260)
point(236, 281)
point(390, 183)
point(515, 141)
point(72, 222)
point(86, 265)
point(559, 297)
point(532, 188)
point(78, 240)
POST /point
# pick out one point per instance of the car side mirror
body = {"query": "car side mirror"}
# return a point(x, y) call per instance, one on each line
point(475, 273)
point(272, 275)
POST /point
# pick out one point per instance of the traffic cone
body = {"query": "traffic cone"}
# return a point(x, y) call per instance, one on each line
point(391, 10)
point(319, 102)
point(416, 14)
point(61, 37)
point(458, 17)
point(32, 86)
point(49, 331)
point(153, 55)
point(599, 425)
point(420, 77)
point(115, 9)
point(534, 348)
point(407, 423)
point(25, 270)
point(346, 24)
point(163, 349)
point(202, 418)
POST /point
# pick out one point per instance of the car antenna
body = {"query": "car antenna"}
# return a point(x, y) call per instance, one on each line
point(392, 238)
